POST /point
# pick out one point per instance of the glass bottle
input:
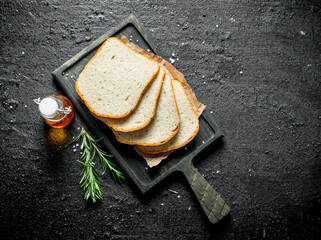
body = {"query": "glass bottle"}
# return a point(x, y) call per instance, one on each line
point(56, 110)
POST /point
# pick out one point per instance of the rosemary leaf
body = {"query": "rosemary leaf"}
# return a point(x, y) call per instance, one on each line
point(89, 182)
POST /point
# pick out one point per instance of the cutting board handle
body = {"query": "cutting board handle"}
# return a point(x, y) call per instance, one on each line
point(213, 205)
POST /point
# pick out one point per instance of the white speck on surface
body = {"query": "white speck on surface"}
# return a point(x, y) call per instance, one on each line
point(80, 153)
point(73, 137)
point(203, 42)
point(211, 111)
point(302, 33)
point(152, 30)
point(73, 146)
point(23, 53)
point(204, 82)
point(216, 25)
point(218, 171)
point(241, 72)
point(232, 19)
point(26, 106)
point(130, 36)
point(67, 74)
point(137, 40)
point(10, 107)
point(171, 60)
point(173, 54)
point(178, 196)
point(75, 150)
point(148, 50)
point(78, 128)
point(203, 142)
point(162, 204)
point(178, 25)
point(77, 144)
point(146, 168)
point(183, 44)
point(203, 76)
point(185, 148)
point(71, 76)
point(177, 59)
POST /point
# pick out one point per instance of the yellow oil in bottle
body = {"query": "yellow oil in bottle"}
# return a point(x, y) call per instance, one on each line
point(56, 110)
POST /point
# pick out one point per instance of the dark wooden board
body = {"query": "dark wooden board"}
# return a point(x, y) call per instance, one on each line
point(133, 164)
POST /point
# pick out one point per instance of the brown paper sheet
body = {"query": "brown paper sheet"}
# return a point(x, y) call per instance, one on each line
point(154, 159)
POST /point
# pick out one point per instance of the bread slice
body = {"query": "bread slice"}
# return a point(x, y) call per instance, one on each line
point(188, 126)
point(164, 125)
point(144, 112)
point(115, 79)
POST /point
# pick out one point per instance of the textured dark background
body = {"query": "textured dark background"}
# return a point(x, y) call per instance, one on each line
point(255, 64)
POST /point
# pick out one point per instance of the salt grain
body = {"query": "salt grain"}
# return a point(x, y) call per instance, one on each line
point(185, 148)
point(203, 42)
point(178, 196)
point(203, 142)
point(26, 106)
point(211, 111)
point(173, 54)
point(162, 204)
point(216, 25)
point(75, 150)
point(137, 40)
point(217, 171)
point(203, 76)
point(241, 72)
point(302, 33)
point(204, 82)
point(78, 128)
point(23, 53)
point(171, 60)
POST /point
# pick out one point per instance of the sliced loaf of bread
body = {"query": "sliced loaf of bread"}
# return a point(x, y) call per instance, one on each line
point(144, 112)
point(115, 79)
point(164, 125)
point(188, 126)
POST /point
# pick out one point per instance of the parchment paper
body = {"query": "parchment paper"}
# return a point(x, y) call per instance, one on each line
point(154, 159)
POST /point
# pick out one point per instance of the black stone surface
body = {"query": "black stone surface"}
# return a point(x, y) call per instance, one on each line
point(255, 64)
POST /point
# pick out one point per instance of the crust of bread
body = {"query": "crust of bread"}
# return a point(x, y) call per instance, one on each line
point(146, 150)
point(136, 104)
point(114, 127)
point(164, 141)
point(148, 144)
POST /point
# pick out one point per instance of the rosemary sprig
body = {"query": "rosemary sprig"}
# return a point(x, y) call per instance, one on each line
point(89, 182)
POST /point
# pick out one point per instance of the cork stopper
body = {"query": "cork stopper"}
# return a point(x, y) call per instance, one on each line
point(48, 107)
